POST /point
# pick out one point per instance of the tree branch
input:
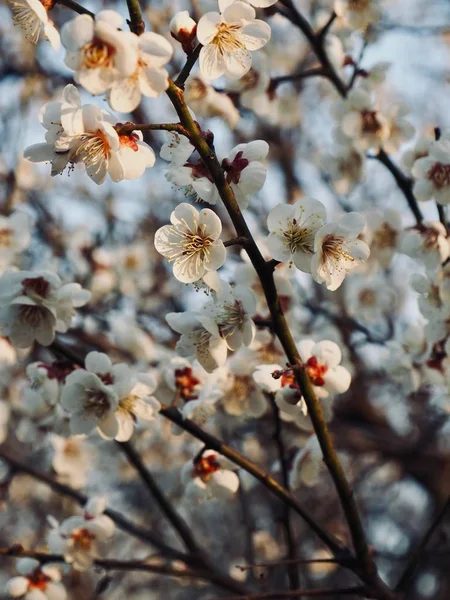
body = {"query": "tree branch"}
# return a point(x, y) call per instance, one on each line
point(128, 128)
point(287, 522)
point(166, 507)
point(136, 22)
point(186, 70)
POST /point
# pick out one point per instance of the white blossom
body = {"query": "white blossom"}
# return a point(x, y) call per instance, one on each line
point(359, 121)
point(228, 39)
point(72, 459)
point(346, 166)
point(292, 231)
point(429, 244)
point(36, 581)
point(89, 135)
point(200, 339)
point(244, 171)
point(210, 476)
point(432, 172)
point(183, 29)
point(358, 14)
point(82, 539)
point(308, 463)
point(322, 364)
point(15, 235)
point(191, 242)
point(206, 102)
point(32, 17)
point(338, 251)
point(97, 51)
point(35, 304)
point(149, 79)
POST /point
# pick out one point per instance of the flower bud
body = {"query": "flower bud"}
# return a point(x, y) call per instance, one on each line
point(183, 29)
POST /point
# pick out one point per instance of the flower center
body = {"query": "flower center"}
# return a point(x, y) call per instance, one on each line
point(196, 90)
point(332, 249)
point(439, 174)
point(186, 383)
point(93, 148)
point(367, 297)
point(385, 237)
point(370, 122)
point(297, 238)
point(205, 466)
point(226, 40)
point(32, 315)
point(83, 539)
point(430, 238)
point(38, 580)
point(230, 317)
point(250, 79)
point(316, 371)
point(235, 168)
point(288, 380)
point(358, 4)
point(35, 287)
point(6, 237)
point(97, 403)
point(98, 54)
point(58, 369)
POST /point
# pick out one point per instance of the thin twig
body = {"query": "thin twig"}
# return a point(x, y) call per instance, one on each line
point(315, 72)
point(294, 578)
point(420, 551)
point(164, 504)
point(295, 561)
point(75, 7)
point(128, 128)
point(321, 34)
point(186, 70)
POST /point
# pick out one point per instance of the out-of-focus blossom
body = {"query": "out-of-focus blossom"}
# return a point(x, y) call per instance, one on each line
point(36, 581)
point(15, 235)
point(307, 465)
point(206, 102)
point(432, 172)
point(358, 14)
point(210, 476)
point(82, 539)
point(32, 17)
point(429, 244)
point(35, 304)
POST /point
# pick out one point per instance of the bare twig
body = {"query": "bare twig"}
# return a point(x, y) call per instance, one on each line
point(128, 128)
point(186, 70)
point(136, 22)
point(75, 7)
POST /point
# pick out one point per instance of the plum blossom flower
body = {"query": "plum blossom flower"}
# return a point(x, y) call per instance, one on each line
point(35, 304)
point(223, 4)
point(228, 40)
point(232, 309)
point(420, 149)
point(345, 165)
point(191, 242)
point(183, 29)
point(206, 102)
point(358, 14)
point(210, 476)
point(200, 339)
point(82, 539)
point(370, 300)
point(109, 397)
point(307, 464)
point(429, 244)
point(432, 172)
point(72, 459)
point(89, 135)
point(359, 121)
point(338, 251)
point(321, 360)
point(32, 17)
point(253, 87)
point(401, 130)
point(383, 235)
point(149, 79)
point(97, 51)
point(36, 581)
point(198, 390)
point(15, 235)
point(292, 231)
point(244, 171)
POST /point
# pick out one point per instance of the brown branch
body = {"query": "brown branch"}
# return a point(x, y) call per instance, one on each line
point(166, 507)
point(136, 22)
point(287, 521)
point(315, 72)
point(128, 128)
point(186, 70)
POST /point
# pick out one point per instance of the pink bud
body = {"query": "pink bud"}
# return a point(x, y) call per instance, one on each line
point(183, 29)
